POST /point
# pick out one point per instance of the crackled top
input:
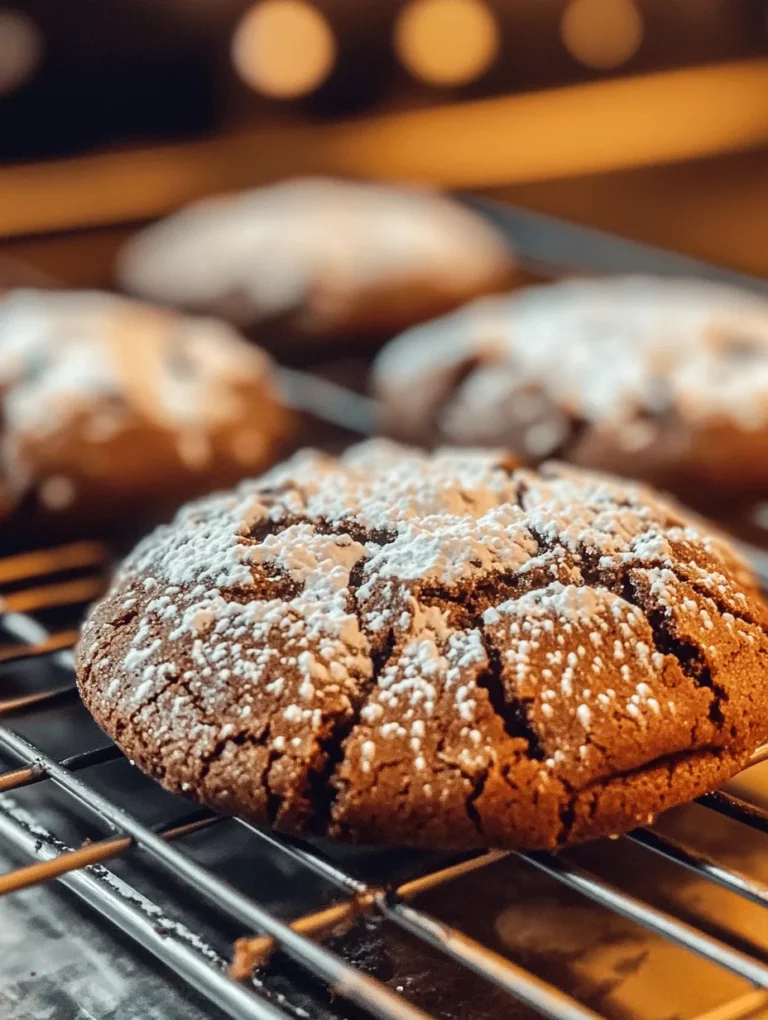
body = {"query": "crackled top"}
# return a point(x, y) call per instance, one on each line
point(393, 646)
point(627, 355)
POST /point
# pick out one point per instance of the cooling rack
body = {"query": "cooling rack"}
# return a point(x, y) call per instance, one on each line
point(73, 792)
point(62, 580)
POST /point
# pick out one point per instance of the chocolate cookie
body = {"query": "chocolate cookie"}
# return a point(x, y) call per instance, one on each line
point(437, 650)
point(661, 380)
point(112, 410)
point(319, 258)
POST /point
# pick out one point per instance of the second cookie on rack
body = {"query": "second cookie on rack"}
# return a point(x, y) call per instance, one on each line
point(662, 380)
point(319, 259)
point(113, 412)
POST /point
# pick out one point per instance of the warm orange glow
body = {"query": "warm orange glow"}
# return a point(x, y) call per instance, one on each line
point(602, 33)
point(624, 122)
point(446, 42)
point(283, 48)
point(579, 129)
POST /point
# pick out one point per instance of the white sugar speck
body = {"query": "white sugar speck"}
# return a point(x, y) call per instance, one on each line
point(584, 715)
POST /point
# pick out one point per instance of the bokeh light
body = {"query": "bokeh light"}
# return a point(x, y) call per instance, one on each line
point(21, 49)
point(283, 48)
point(602, 34)
point(446, 42)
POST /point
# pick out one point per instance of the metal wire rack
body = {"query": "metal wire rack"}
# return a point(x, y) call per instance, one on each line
point(82, 869)
point(42, 594)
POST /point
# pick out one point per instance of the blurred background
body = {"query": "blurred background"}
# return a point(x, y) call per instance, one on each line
point(645, 117)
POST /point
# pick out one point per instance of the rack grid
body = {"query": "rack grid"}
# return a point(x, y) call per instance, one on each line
point(57, 583)
point(230, 987)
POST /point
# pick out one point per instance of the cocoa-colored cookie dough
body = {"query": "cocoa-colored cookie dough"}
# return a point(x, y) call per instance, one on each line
point(662, 380)
point(319, 258)
point(112, 410)
point(437, 650)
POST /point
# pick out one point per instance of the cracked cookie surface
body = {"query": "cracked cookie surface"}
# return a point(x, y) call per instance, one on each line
point(438, 650)
point(662, 380)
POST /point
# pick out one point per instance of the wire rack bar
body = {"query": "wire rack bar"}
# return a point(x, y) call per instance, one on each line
point(701, 864)
point(74, 556)
point(259, 948)
point(255, 951)
point(737, 809)
point(344, 979)
point(390, 903)
point(433, 879)
point(174, 945)
point(90, 853)
point(758, 756)
point(363, 900)
point(64, 639)
point(525, 986)
point(315, 861)
point(649, 917)
point(328, 401)
point(35, 772)
point(29, 630)
point(8, 705)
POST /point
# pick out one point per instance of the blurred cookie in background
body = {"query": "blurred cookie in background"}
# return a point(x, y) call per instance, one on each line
point(113, 411)
point(663, 380)
point(318, 258)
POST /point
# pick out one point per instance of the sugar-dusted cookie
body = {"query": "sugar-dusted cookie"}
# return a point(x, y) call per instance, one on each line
point(662, 380)
point(443, 651)
point(111, 409)
point(319, 258)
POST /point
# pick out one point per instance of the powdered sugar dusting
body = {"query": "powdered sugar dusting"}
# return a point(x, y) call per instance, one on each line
point(433, 614)
point(604, 348)
point(60, 350)
point(279, 248)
